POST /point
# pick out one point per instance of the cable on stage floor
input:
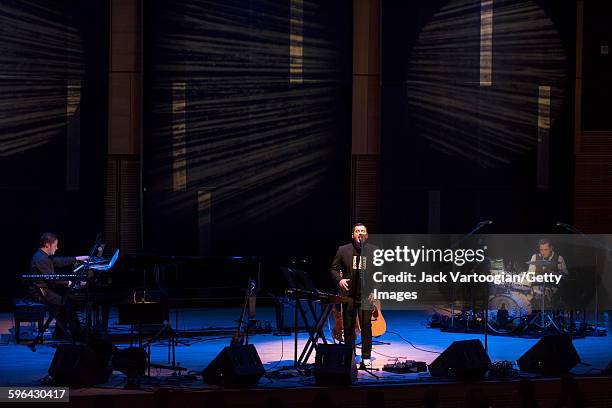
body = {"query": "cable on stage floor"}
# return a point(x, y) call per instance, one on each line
point(391, 357)
point(269, 371)
point(415, 347)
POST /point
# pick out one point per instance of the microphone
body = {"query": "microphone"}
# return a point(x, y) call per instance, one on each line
point(360, 242)
point(487, 222)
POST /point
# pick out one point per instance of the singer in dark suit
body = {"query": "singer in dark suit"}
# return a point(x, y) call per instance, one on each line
point(348, 274)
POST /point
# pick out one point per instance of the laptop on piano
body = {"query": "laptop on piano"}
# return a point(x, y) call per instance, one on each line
point(108, 266)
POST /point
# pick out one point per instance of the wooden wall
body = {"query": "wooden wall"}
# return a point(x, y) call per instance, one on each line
point(366, 131)
point(593, 146)
point(123, 195)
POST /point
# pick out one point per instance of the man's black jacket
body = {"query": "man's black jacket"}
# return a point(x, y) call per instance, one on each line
point(44, 264)
point(343, 268)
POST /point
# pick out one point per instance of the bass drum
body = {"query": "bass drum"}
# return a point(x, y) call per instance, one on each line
point(506, 312)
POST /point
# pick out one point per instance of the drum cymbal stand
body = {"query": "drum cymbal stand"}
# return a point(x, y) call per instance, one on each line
point(600, 244)
point(542, 320)
point(456, 245)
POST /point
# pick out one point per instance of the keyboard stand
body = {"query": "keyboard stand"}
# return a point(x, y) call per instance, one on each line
point(315, 333)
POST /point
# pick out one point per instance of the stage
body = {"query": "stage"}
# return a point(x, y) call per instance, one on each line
point(202, 333)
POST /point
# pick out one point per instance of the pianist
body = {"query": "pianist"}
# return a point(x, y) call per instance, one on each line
point(56, 295)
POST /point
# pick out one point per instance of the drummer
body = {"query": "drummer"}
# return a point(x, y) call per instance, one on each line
point(547, 260)
point(546, 253)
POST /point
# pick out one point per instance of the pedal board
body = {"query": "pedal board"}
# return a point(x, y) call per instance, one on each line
point(404, 367)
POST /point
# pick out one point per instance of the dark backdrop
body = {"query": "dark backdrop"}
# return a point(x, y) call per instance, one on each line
point(53, 70)
point(266, 160)
point(473, 148)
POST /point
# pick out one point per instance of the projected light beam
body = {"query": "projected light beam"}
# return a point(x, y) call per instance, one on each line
point(253, 140)
point(41, 69)
point(453, 98)
point(486, 42)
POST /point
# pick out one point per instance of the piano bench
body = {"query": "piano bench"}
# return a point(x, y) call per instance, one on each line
point(28, 311)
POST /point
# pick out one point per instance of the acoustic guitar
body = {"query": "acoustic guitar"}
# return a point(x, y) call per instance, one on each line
point(379, 325)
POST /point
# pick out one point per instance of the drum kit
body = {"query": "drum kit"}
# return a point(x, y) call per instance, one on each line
point(512, 306)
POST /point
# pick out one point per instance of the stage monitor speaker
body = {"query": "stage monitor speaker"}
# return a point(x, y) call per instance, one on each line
point(335, 364)
point(551, 355)
point(131, 361)
point(77, 366)
point(462, 360)
point(235, 366)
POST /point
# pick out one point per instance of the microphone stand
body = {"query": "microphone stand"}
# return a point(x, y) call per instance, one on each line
point(477, 228)
point(600, 245)
point(362, 366)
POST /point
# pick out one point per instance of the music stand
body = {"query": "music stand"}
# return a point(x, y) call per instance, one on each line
point(297, 279)
point(145, 312)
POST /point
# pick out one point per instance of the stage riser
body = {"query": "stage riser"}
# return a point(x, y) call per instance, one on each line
point(598, 392)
